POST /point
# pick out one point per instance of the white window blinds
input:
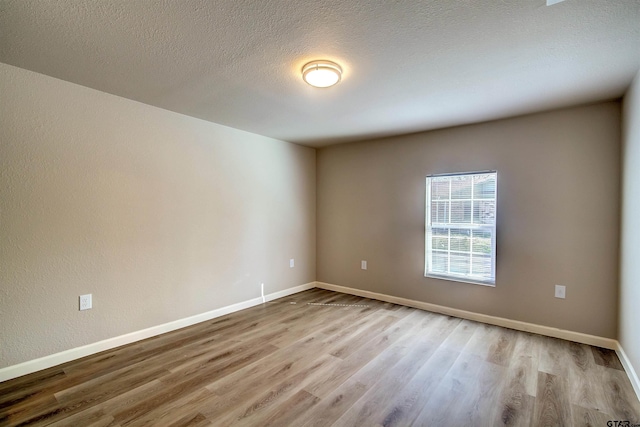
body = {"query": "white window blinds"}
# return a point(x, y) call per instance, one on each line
point(461, 227)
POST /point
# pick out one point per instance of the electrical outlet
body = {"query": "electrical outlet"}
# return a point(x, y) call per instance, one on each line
point(85, 302)
point(363, 264)
point(561, 291)
point(292, 263)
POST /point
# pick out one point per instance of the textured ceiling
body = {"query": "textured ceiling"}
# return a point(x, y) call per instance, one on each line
point(409, 65)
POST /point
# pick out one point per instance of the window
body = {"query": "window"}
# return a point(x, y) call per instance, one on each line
point(461, 227)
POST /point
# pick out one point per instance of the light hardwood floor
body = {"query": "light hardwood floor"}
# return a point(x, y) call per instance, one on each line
point(320, 358)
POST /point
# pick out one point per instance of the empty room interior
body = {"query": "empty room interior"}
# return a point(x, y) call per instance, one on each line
point(319, 213)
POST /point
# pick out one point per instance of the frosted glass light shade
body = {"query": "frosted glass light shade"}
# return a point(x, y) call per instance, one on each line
point(321, 73)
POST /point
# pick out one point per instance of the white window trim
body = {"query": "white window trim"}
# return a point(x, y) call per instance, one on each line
point(428, 235)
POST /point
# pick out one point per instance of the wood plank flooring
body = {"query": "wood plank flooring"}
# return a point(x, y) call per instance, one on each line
point(320, 358)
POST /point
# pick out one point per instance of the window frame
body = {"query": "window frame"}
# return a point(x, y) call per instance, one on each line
point(464, 278)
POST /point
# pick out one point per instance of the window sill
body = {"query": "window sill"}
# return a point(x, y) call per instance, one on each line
point(461, 280)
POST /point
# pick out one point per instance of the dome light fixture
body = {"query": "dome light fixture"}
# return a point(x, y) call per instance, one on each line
point(321, 73)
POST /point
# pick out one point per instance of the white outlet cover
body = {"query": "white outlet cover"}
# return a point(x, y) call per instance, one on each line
point(292, 263)
point(363, 265)
point(85, 302)
point(561, 291)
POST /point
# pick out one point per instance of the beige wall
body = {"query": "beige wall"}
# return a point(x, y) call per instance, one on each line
point(558, 215)
point(160, 216)
point(629, 334)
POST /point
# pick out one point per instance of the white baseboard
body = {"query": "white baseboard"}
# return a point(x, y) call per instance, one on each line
point(628, 367)
point(478, 317)
point(45, 362)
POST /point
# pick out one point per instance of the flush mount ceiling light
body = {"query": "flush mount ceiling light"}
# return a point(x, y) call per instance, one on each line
point(321, 73)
